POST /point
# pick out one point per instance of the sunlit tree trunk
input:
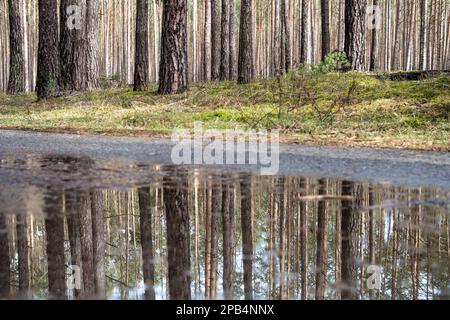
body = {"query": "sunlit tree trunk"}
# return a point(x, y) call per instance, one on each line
point(16, 82)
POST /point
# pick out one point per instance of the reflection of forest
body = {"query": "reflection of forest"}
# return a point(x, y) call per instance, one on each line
point(196, 236)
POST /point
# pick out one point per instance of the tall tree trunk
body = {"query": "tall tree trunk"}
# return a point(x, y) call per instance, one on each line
point(304, 32)
point(422, 15)
point(373, 44)
point(247, 235)
point(174, 56)
point(286, 49)
point(225, 41)
point(48, 69)
point(178, 244)
point(145, 213)
point(215, 39)
point(92, 44)
point(54, 230)
point(141, 71)
point(232, 32)
point(325, 17)
point(395, 51)
point(73, 45)
point(354, 32)
point(207, 42)
point(16, 82)
point(245, 63)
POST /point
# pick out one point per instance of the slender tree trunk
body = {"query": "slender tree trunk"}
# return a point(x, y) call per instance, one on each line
point(286, 52)
point(325, 17)
point(245, 63)
point(373, 44)
point(173, 66)
point(16, 82)
point(207, 42)
point(422, 15)
point(225, 41)
point(232, 32)
point(141, 70)
point(215, 39)
point(304, 32)
point(92, 44)
point(48, 69)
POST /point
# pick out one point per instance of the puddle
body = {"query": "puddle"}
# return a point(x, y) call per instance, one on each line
point(73, 228)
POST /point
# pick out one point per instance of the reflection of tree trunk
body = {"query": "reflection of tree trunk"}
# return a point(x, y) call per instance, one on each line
point(145, 211)
point(349, 228)
point(54, 229)
point(415, 216)
point(177, 219)
point(394, 255)
point(4, 259)
point(73, 226)
point(281, 248)
point(321, 267)
point(371, 233)
point(247, 236)
point(228, 243)
point(214, 242)
point(98, 239)
point(23, 254)
point(84, 212)
point(303, 243)
point(208, 243)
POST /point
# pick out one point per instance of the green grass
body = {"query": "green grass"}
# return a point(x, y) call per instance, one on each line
point(340, 109)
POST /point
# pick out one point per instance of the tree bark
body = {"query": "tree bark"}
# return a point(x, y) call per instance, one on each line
point(141, 76)
point(373, 45)
point(48, 69)
point(225, 41)
point(422, 15)
point(173, 66)
point(355, 32)
point(232, 32)
point(245, 63)
point(304, 32)
point(325, 18)
point(215, 39)
point(92, 44)
point(16, 83)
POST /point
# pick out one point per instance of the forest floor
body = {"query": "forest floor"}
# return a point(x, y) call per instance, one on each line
point(353, 109)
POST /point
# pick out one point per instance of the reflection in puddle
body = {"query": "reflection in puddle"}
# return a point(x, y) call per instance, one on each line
point(192, 234)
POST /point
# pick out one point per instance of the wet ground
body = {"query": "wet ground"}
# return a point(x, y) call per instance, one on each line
point(100, 217)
